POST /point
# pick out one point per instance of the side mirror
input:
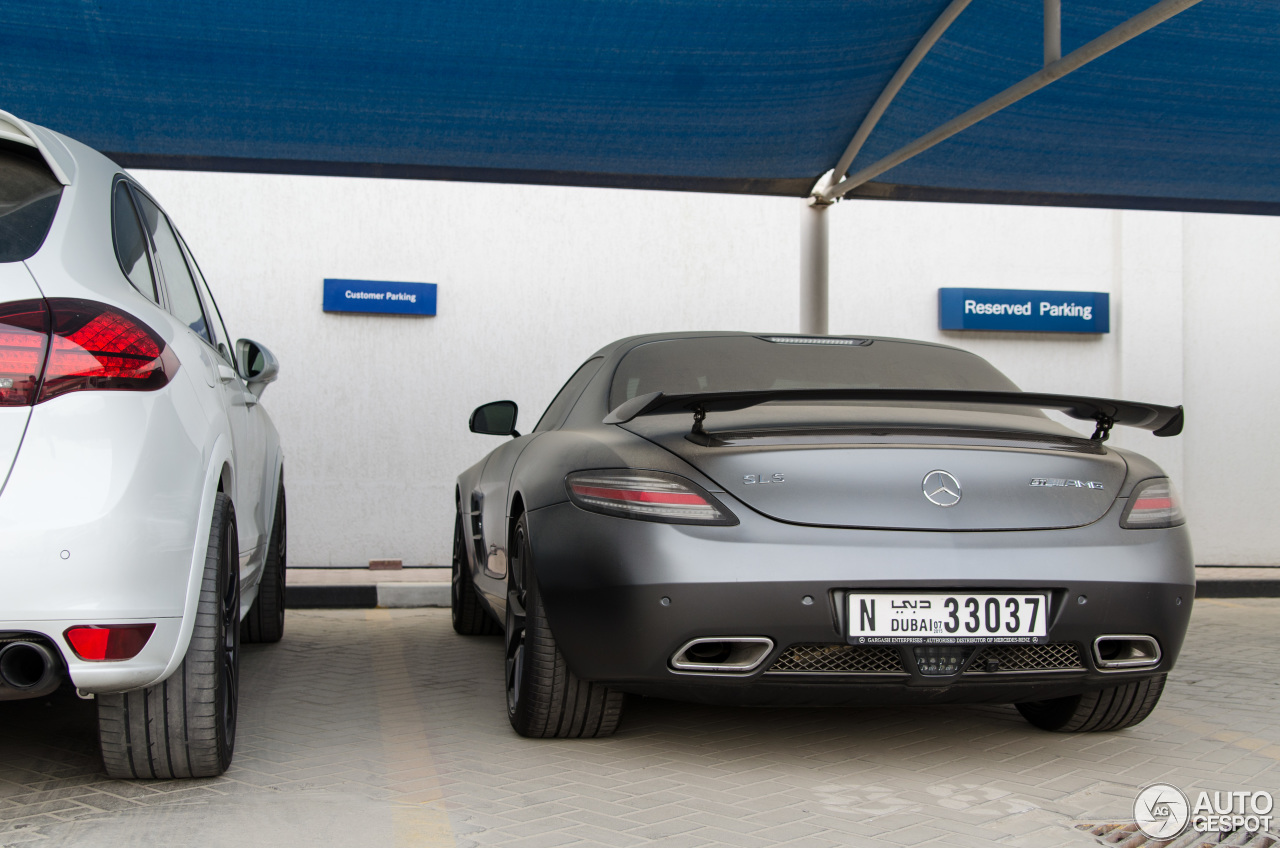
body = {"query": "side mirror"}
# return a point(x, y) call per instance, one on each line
point(495, 419)
point(258, 365)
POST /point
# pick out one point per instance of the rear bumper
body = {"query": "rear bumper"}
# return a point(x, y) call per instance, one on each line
point(99, 525)
point(604, 579)
point(104, 676)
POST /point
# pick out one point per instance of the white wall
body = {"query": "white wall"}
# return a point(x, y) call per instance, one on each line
point(373, 409)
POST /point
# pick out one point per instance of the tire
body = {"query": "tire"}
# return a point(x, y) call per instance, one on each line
point(1114, 708)
point(544, 698)
point(265, 619)
point(185, 726)
point(470, 618)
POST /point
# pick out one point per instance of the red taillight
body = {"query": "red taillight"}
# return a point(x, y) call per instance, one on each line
point(50, 348)
point(1153, 504)
point(638, 496)
point(98, 642)
point(648, 495)
point(24, 335)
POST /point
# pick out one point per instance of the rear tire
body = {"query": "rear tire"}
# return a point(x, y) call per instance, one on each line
point(1114, 708)
point(265, 620)
point(544, 698)
point(470, 618)
point(185, 726)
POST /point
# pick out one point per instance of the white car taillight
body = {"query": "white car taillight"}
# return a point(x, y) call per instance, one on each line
point(61, 345)
point(647, 495)
point(24, 336)
point(1153, 503)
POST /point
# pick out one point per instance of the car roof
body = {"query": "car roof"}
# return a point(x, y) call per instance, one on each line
point(623, 345)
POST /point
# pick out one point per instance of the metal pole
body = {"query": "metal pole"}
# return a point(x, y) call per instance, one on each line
point(814, 267)
point(1126, 31)
point(914, 58)
point(1052, 31)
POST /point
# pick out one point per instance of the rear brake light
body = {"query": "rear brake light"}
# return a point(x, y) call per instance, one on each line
point(98, 642)
point(647, 495)
point(1153, 503)
point(62, 345)
point(96, 347)
point(24, 336)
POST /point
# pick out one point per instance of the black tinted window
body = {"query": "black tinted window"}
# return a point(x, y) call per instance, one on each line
point(131, 246)
point(745, 363)
point(210, 306)
point(568, 395)
point(29, 198)
point(184, 303)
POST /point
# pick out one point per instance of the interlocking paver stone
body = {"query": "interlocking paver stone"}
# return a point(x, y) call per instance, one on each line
point(384, 728)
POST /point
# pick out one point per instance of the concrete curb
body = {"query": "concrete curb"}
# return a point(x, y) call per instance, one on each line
point(368, 596)
point(425, 595)
point(1238, 588)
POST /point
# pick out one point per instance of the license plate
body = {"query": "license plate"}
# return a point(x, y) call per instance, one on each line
point(914, 617)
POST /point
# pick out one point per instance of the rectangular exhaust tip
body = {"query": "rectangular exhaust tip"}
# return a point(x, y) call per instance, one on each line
point(1126, 652)
point(722, 654)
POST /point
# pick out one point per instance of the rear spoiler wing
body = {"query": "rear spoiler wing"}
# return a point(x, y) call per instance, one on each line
point(1160, 420)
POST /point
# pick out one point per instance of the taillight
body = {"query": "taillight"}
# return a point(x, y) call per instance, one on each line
point(1153, 503)
point(24, 335)
point(648, 495)
point(98, 642)
point(62, 345)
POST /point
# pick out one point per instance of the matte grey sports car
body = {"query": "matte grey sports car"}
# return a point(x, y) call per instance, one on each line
point(787, 519)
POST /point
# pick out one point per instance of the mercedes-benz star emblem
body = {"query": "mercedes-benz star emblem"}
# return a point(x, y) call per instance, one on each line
point(941, 488)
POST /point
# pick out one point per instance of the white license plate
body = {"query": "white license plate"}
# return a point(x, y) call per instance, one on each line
point(913, 617)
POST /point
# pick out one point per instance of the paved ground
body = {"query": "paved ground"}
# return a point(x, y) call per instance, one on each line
point(383, 728)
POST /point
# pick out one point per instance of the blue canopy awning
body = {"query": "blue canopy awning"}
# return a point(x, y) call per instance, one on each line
point(752, 96)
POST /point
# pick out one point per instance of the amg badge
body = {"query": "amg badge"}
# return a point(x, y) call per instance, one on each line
point(1049, 482)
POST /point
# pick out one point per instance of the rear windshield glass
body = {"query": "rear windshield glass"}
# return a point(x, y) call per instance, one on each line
point(29, 196)
point(745, 364)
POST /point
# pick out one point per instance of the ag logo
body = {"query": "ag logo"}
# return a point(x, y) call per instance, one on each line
point(941, 488)
point(1161, 811)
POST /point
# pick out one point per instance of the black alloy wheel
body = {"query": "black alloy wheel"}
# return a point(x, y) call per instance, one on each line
point(229, 655)
point(544, 698)
point(515, 621)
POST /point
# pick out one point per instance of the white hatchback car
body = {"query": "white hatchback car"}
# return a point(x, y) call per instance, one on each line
point(142, 510)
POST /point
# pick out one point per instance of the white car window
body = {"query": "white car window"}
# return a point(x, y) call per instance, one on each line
point(220, 334)
point(131, 245)
point(184, 303)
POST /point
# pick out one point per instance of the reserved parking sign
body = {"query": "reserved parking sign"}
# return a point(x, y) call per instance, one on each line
point(1024, 310)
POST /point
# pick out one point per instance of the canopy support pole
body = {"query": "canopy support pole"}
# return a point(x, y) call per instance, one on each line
point(908, 66)
point(1052, 31)
point(1105, 43)
point(814, 266)
point(814, 248)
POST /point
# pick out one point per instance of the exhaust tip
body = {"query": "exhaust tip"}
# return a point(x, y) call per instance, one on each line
point(722, 654)
point(25, 665)
point(1119, 653)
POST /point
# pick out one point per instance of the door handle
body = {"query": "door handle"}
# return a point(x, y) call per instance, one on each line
point(225, 374)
